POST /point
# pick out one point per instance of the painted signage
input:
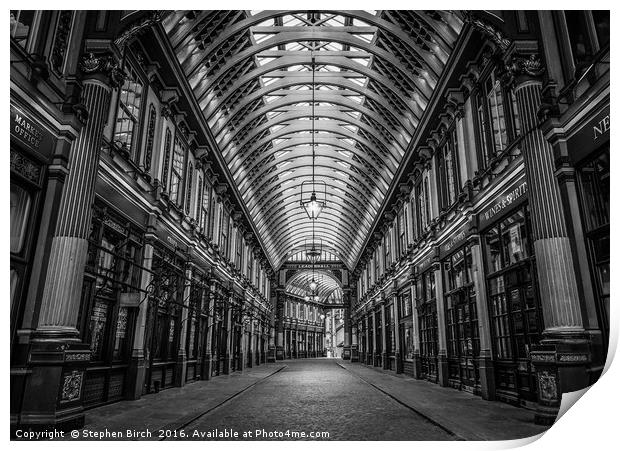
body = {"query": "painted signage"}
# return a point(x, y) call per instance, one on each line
point(455, 240)
point(593, 134)
point(510, 196)
point(28, 132)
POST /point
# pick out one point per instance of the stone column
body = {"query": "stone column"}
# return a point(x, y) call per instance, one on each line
point(207, 362)
point(562, 358)
point(136, 370)
point(367, 355)
point(250, 355)
point(355, 355)
point(397, 353)
point(384, 356)
point(417, 368)
point(181, 363)
point(53, 390)
point(485, 360)
point(229, 338)
point(346, 350)
point(442, 357)
point(375, 340)
point(280, 324)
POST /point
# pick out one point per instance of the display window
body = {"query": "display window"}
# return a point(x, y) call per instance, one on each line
point(514, 307)
point(427, 318)
point(461, 320)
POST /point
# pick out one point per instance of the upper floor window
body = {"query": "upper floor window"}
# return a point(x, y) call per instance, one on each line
point(447, 170)
point(388, 247)
point(22, 23)
point(176, 176)
point(498, 118)
point(402, 227)
point(588, 32)
point(128, 114)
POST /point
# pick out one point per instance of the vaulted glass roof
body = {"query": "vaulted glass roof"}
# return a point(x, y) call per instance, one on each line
point(251, 73)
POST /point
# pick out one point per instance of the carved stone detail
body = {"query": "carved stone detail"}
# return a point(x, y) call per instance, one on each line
point(106, 64)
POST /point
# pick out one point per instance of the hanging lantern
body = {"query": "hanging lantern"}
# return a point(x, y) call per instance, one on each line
point(313, 285)
point(312, 202)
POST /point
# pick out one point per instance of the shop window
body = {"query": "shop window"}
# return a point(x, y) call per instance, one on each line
point(389, 330)
point(427, 317)
point(515, 311)
point(407, 340)
point(128, 114)
point(112, 269)
point(21, 202)
point(594, 178)
point(404, 301)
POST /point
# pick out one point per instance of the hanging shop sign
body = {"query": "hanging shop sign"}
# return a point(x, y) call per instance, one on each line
point(592, 134)
point(29, 132)
point(509, 198)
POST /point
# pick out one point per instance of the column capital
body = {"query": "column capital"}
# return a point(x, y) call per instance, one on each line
point(520, 68)
point(102, 63)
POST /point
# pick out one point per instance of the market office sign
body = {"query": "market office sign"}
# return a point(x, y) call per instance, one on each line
point(28, 132)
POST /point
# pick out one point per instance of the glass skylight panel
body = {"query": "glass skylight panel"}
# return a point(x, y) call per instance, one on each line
point(268, 80)
point(261, 37)
point(334, 46)
point(363, 61)
point(366, 37)
point(358, 81)
point(264, 60)
point(291, 21)
point(336, 21)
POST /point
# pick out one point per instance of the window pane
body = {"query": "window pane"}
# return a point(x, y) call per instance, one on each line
point(21, 24)
point(601, 24)
point(578, 35)
point(98, 320)
point(20, 212)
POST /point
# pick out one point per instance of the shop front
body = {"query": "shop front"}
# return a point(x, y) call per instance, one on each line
point(111, 297)
point(426, 305)
point(462, 331)
point(406, 330)
point(514, 305)
point(588, 149)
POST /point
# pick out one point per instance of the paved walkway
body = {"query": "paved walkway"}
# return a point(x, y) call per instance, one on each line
point(173, 408)
point(468, 416)
point(320, 399)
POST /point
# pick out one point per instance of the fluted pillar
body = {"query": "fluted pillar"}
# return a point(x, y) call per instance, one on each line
point(485, 359)
point(384, 356)
point(280, 324)
point(398, 361)
point(53, 391)
point(181, 363)
point(554, 259)
point(61, 298)
point(367, 355)
point(562, 358)
point(442, 355)
point(136, 370)
point(417, 364)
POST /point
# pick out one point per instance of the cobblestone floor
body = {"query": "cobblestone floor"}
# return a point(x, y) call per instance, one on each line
point(283, 400)
point(317, 395)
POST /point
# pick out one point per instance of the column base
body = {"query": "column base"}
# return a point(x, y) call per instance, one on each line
point(207, 363)
point(227, 364)
point(279, 353)
point(561, 365)
point(399, 363)
point(442, 370)
point(487, 375)
point(346, 353)
point(54, 387)
point(180, 370)
point(355, 356)
point(417, 365)
point(135, 376)
point(271, 354)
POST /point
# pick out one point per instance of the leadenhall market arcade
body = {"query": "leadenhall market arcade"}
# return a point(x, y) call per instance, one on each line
point(204, 193)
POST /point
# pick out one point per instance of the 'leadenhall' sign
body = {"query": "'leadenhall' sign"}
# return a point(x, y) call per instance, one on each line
point(511, 196)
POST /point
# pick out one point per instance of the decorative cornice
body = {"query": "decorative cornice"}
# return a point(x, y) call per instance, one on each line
point(139, 27)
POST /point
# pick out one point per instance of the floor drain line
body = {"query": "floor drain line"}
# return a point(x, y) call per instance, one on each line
point(426, 417)
point(230, 398)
